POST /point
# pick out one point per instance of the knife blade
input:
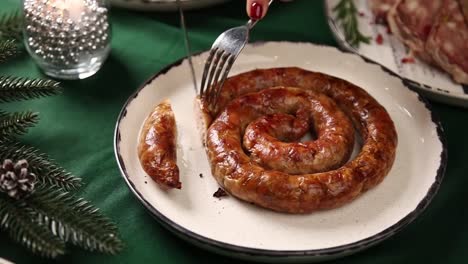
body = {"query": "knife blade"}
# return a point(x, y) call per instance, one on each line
point(187, 44)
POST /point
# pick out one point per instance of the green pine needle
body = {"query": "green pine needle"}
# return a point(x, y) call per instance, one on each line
point(75, 220)
point(50, 217)
point(8, 49)
point(346, 15)
point(16, 88)
point(16, 123)
point(17, 219)
point(10, 26)
point(48, 172)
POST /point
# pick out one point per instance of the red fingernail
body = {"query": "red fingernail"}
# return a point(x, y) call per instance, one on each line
point(256, 11)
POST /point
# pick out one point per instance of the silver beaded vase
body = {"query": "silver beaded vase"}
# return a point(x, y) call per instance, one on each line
point(68, 39)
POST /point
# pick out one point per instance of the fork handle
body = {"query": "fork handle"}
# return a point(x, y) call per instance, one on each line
point(251, 23)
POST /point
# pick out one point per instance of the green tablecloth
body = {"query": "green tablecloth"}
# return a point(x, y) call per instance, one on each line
point(76, 129)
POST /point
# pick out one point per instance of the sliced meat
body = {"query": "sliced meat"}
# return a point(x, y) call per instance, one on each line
point(411, 21)
point(464, 5)
point(157, 147)
point(448, 41)
point(380, 9)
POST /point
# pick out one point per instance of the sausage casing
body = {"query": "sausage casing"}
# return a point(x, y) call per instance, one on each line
point(235, 171)
point(157, 147)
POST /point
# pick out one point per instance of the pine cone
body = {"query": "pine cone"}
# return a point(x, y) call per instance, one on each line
point(15, 179)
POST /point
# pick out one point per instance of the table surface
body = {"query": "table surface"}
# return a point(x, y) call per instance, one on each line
point(76, 129)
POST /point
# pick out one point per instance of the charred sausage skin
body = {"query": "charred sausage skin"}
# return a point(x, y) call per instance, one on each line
point(297, 193)
point(157, 147)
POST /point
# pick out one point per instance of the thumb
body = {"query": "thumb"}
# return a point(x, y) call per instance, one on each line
point(257, 9)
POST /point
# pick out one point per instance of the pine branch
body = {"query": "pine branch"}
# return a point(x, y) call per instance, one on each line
point(16, 123)
point(8, 49)
point(48, 173)
point(18, 220)
point(15, 88)
point(10, 26)
point(75, 220)
point(347, 16)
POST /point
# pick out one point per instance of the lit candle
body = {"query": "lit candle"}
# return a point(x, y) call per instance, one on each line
point(69, 38)
point(73, 9)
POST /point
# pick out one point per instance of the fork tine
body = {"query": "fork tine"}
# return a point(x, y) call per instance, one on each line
point(206, 69)
point(216, 79)
point(214, 66)
point(230, 61)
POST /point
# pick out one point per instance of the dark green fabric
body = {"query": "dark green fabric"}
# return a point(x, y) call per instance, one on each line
point(77, 128)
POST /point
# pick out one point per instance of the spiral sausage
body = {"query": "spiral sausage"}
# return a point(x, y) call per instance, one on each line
point(285, 114)
point(157, 147)
point(246, 94)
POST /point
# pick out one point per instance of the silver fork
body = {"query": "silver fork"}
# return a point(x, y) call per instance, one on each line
point(222, 55)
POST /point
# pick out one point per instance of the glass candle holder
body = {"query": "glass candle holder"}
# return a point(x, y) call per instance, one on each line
point(68, 39)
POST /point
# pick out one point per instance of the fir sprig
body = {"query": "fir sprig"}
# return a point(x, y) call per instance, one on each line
point(16, 123)
point(346, 15)
point(50, 216)
point(16, 88)
point(47, 171)
point(10, 26)
point(74, 220)
point(18, 220)
point(8, 49)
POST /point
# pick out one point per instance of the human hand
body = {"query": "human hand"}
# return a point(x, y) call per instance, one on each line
point(257, 9)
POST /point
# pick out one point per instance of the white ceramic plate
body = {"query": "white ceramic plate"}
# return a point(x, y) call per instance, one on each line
point(163, 5)
point(233, 227)
point(433, 83)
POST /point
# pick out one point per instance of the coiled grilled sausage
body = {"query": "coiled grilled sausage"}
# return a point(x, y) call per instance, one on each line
point(244, 178)
point(287, 114)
